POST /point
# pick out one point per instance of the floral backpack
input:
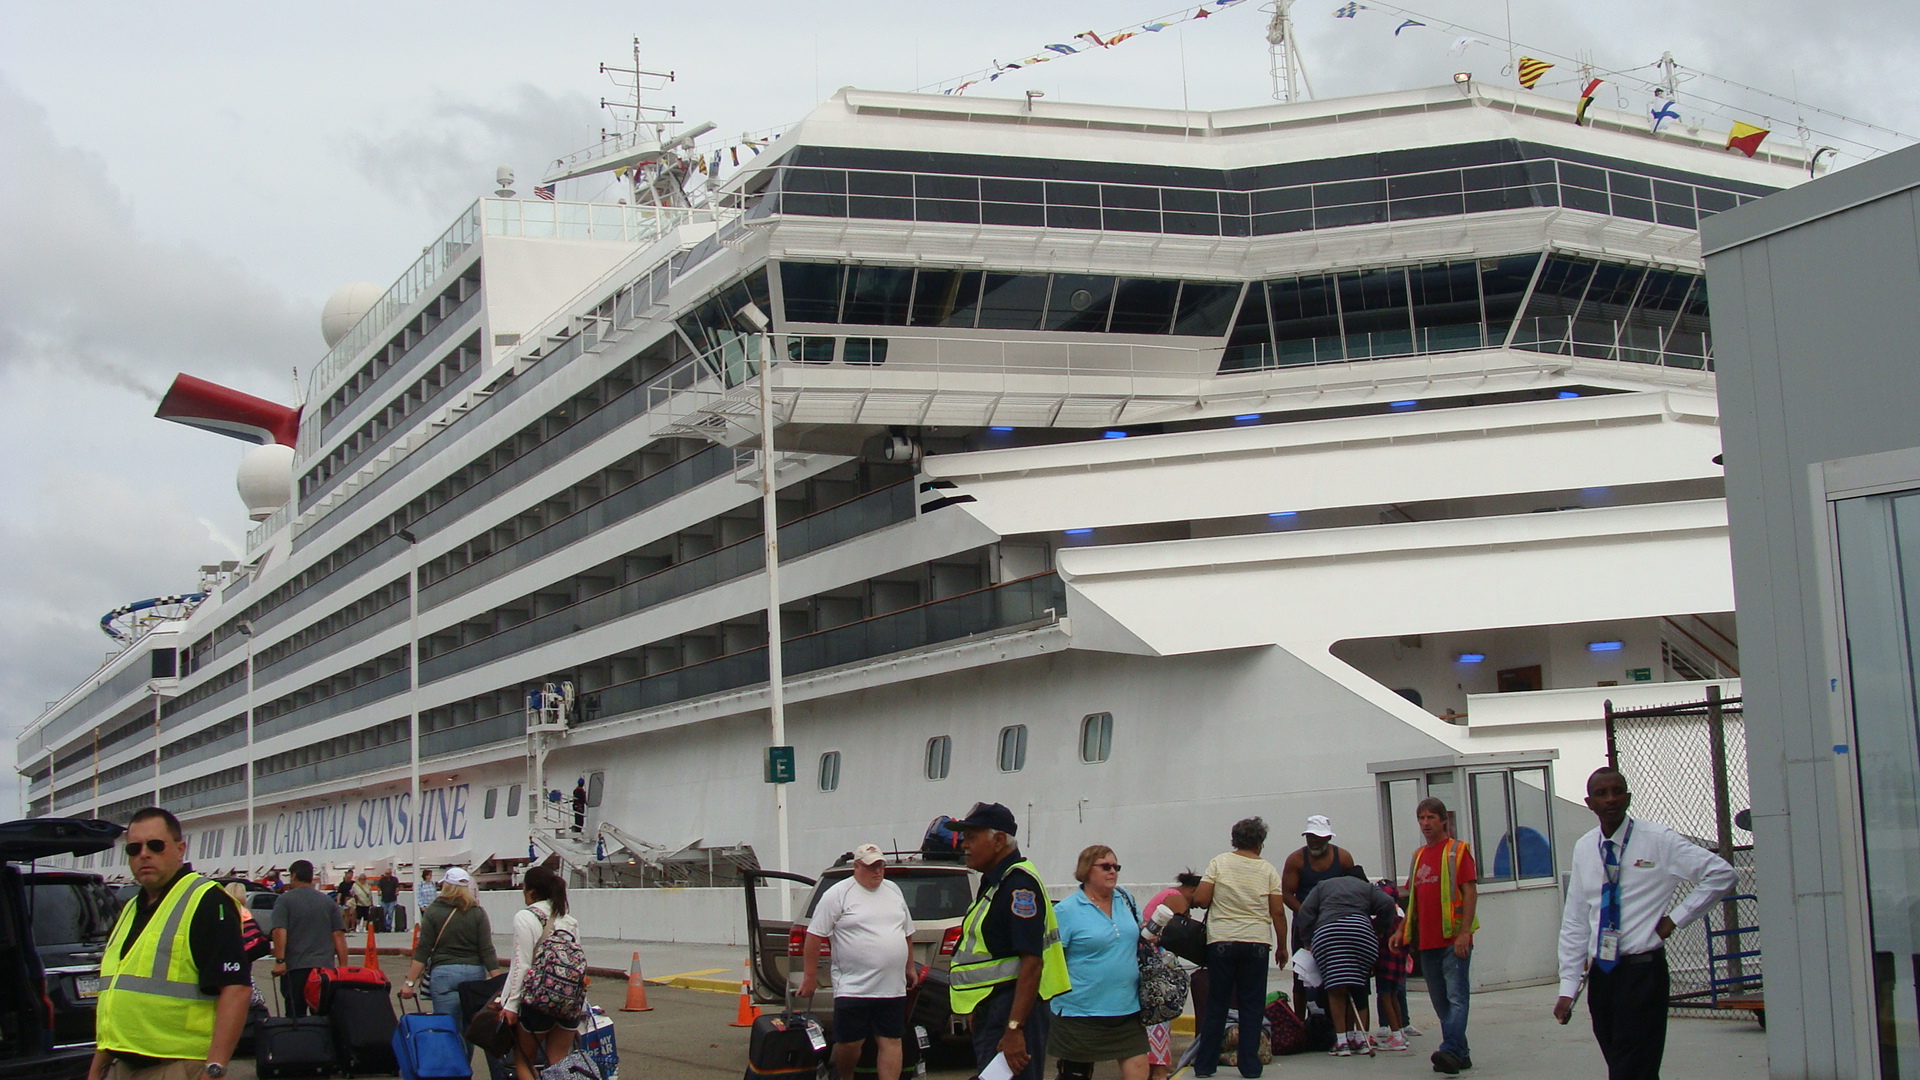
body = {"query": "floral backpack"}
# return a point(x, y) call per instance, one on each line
point(1163, 985)
point(557, 975)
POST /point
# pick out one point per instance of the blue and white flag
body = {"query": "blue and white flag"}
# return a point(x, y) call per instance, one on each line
point(1404, 25)
point(1663, 111)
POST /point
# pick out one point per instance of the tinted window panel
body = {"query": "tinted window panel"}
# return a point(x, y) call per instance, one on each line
point(1291, 221)
point(1332, 217)
point(1429, 206)
point(1236, 225)
point(1306, 327)
point(1187, 200)
point(820, 180)
point(1434, 183)
point(1131, 220)
point(1583, 176)
point(1129, 198)
point(1012, 191)
point(810, 350)
point(1013, 301)
point(1080, 302)
point(1205, 308)
point(946, 297)
point(1144, 306)
point(1445, 294)
point(1563, 281)
point(1503, 282)
point(947, 187)
point(1611, 291)
point(1638, 187)
point(1349, 193)
point(1191, 224)
point(994, 213)
point(880, 183)
point(1669, 214)
point(1711, 201)
point(1250, 346)
point(877, 295)
point(814, 205)
point(865, 352)
point(1231, 202)
point(1275, 200)
point(1669, 192)
point(947, 210)
point(1373, 309)
point(1073, 217)
point(1640, 209)
point(876, 206)
point(1577, 198)
point(1059, 194)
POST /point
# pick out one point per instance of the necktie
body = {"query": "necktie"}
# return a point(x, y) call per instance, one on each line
point(1609, 898)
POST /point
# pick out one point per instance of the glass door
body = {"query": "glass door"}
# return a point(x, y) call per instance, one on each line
point(1878, 538)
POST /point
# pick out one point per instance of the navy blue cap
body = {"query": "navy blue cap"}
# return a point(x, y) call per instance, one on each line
point(989, 815)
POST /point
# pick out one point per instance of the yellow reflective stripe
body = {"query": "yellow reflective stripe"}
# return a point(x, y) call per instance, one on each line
point(981, 974)
point(141, 984)
point(163, 954)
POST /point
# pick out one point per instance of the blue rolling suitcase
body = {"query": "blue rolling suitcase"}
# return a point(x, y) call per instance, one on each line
point(428, 1046)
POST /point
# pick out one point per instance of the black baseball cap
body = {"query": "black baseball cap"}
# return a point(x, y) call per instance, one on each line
point(989, 815)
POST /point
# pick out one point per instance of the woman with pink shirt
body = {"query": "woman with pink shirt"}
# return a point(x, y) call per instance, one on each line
point(1178, 899)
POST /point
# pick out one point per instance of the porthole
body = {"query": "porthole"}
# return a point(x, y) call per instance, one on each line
point(1013, 748)
point(830, 770)
point(1096, 737)
point(939, 756)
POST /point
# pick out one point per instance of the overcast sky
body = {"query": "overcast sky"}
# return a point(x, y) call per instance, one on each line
point(181, 186)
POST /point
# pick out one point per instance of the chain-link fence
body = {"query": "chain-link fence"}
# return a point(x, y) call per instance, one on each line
point(1686, 765)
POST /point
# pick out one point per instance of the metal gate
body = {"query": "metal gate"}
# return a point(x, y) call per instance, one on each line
point(1686, 765)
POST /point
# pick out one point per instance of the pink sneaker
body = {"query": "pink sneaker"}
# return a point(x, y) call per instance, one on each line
point(1395, 1042)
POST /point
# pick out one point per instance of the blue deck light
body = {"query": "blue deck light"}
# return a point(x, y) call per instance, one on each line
point(1403, 405)
point(1564, 394)
point(1605, 646)
point(1002, 430)
point(1246, 418)
point(1079, 532)
point(1283, 513)
point(1472, 657)
point(1113, 434)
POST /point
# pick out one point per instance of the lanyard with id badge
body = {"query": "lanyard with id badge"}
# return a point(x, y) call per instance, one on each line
point(1608, 953)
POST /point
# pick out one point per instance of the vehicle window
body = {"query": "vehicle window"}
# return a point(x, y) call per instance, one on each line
point(931, 895)
point(63, 914)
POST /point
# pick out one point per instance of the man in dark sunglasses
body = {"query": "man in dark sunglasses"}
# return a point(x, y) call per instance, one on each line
point(176, 976)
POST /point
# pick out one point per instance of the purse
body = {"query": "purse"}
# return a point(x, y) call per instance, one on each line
point(1185, 937)
point(487, 1032)
point(1163, 986)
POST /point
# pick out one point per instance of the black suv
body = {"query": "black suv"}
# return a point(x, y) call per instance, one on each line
point(71, 914)
point(33, 1038)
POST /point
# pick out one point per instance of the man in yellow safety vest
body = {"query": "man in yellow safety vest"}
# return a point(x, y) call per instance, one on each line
point(175, 979)
point(1009, 961)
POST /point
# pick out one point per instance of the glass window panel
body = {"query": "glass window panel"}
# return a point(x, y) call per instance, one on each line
point(1303, 310)
point(879, 206)
point(1292, 221)
point(1403, 824)
point(1445, 294)
point(1191, 224)
point(1012, 191)
point(1080, 302)
point(945, 297)
point(1427, 206)
point(1532, 825)
point(1231, 202)
point(1712, 201)
point(1374, 302)
point(1013, 301)
point(1638, 187)
point(812, 291)
point(1127, 197)
point(810, 349)
point(880, 183)
point(1072, 217)
point(1013, 748)
point(877, 295)
point(1638, 209)
point(1670, 214)
point(493, 803)
point(1189, 200)
point(830, 770)
point(1096, 737)
point(865, 352)
point(1492, 824)
point(995, 213)
point(1610, 292)
point(1667, 191)
point(1277, 200)
point(1579, 198)
point(1205, 308)
point(1147, 221)
point(1334, 217)
point(807, 205)
point(1585, 176)
point(596, 787)
point(946, 187)
point(1144, 306)
point(1065, 194)
point(1447, 181)
point(1250, 345)
point(1233, 225)
point(513, 801)
point(1503, 283)
point(953, 210)
point(939, 757)
point(832, 181)
point(1349, 193)
point(1563, 281)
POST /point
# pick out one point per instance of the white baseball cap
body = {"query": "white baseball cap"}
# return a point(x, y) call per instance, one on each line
point(1318, 825)
point(456, 876)
point(868, 853)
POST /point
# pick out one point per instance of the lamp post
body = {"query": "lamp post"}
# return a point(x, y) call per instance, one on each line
point(770, 529)
point(413, 700)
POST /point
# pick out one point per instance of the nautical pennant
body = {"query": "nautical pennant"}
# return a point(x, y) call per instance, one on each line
point(1586, 99)
point(1349, 10)
point(1460, 44)
point(1530, 71)
point(735, 151)
point(1746, 138)
point(1663, 111)
point(1404, 25)
point(1090, 39)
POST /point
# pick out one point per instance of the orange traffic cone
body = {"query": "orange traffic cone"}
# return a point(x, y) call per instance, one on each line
point(416, 935)
point(746, 1014)
point(636, 989)
point(372, 959)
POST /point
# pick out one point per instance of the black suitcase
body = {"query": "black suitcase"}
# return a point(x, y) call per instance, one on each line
point(399, 918)
point(363, 1024)
point(791, 1045)
point(255, 1014)
point(292, 1047)
point(474, 996)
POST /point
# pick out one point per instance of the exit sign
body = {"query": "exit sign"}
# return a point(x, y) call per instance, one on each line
point(780, 765)
point(1640, 674)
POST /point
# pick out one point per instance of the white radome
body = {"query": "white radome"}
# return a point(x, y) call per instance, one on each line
point(266, 479)
point(345, 308)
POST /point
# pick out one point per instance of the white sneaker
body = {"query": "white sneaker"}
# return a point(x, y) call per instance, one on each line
point(1411, 1032)
point(1342, 1048)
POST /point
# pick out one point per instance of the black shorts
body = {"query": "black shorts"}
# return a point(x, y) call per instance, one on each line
point(855, 1019)
point(538, 1022)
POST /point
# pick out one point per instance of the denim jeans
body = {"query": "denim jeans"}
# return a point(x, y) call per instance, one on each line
point(1236, 979)
point(1449, 987)
point(443, 988)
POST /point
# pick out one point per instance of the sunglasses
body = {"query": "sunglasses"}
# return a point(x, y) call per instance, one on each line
point(155, 846)
point(1113, 866)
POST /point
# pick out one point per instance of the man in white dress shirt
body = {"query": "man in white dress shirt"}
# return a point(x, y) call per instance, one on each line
point(1614, 930)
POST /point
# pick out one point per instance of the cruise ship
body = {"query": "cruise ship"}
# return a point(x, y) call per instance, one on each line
point(1140, 469)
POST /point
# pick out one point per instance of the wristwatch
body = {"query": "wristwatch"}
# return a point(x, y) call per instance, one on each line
point(1012, 1025)
point(214, 1070)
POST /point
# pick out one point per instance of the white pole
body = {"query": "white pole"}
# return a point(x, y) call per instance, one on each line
point(770, 527)
point(252, 856)
point(413, 700)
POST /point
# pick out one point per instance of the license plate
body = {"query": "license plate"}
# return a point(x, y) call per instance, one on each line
point(87, 986)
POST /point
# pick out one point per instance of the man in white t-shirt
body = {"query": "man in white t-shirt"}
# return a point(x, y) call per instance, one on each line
point(866, 918)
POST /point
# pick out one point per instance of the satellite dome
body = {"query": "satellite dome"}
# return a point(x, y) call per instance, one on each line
point(345, 307)
point(266, 479)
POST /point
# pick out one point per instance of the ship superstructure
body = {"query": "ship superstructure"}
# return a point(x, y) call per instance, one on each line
point(1139, 469)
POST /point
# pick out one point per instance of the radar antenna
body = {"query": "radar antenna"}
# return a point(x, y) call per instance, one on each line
point(1288, 70)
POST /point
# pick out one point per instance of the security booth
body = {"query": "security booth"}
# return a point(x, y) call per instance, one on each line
point(1503, 805)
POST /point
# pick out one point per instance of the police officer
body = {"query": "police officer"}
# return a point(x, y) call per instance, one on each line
point(176, 979)
point(1009, 961)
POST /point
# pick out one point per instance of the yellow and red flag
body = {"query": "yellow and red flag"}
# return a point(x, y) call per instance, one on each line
point(1529, 70)
point(1746, 138)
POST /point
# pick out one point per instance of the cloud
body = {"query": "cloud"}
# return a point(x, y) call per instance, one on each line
point(82, 290)
point(444, 156)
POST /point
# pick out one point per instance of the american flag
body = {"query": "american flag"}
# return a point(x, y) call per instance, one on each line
point(544, 192)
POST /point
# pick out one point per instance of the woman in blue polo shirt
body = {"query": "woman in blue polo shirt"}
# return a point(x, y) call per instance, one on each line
point(1099, 1019)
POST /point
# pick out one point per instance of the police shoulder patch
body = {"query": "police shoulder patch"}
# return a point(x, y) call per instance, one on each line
point(1024, 904)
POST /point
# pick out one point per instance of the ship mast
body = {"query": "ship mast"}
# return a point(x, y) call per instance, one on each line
point(1288, 70)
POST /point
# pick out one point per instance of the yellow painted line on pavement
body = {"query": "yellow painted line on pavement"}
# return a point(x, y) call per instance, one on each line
point(691, 980)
